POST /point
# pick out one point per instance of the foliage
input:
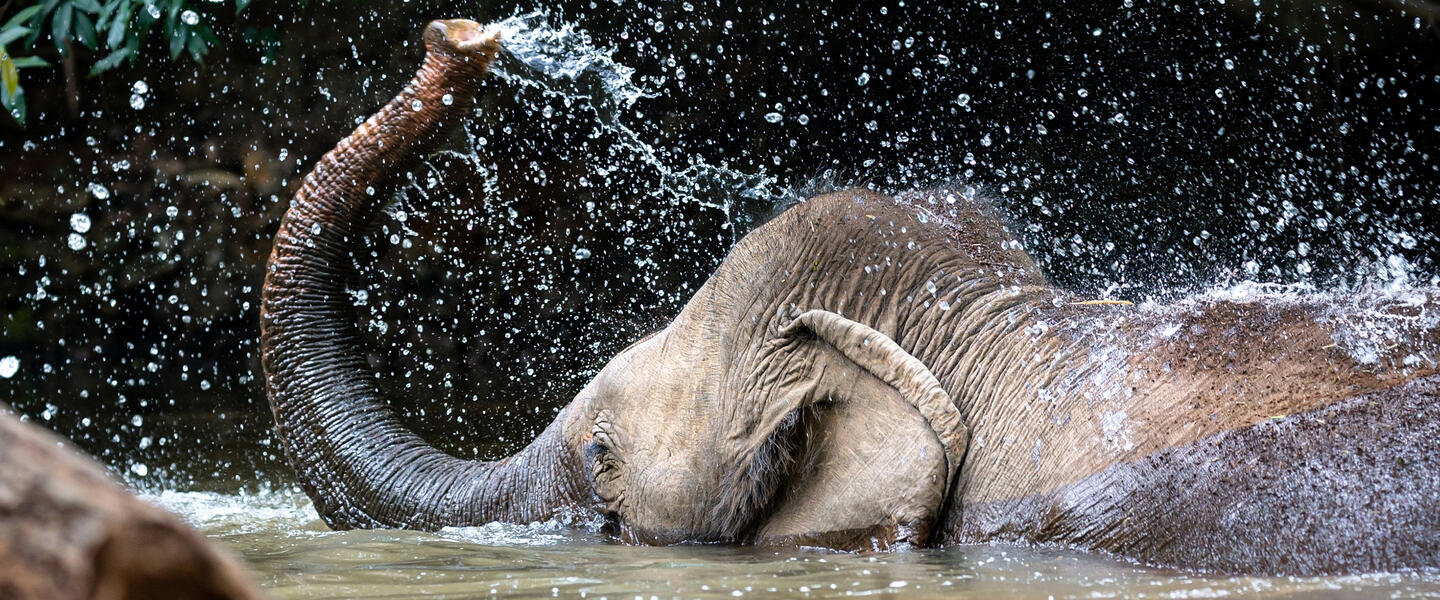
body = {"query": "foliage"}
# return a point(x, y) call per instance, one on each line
point(114, 28)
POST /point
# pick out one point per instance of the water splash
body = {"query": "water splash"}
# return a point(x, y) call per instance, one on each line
point(569, 527)
point(564, 62)
point(1388, 321)
point(283, 509)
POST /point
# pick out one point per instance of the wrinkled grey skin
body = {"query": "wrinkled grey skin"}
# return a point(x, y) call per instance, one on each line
point(864, 372)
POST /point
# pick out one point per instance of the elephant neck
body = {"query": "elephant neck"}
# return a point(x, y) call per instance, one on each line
point(1019, 361)
point(992, 345)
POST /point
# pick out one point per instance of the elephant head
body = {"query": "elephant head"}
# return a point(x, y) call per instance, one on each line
point(745, 419)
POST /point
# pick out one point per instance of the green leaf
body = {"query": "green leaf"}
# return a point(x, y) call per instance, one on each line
point(49, 6)
point(90, 6)
point(144, 18)
point(14, 104)
point(196, 46)
point(47, 9)
point(60, 25)
point(107, 11)
point(26, 62)
point(85, 30)
point(177, 41)
point(11, 34)
point(9, 74)
point(117, 29)
point(22, 16)
point(111, 61)
point(240, 6)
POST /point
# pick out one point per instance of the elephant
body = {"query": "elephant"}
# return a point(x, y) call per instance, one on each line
point(68, 532)
point(868, 372)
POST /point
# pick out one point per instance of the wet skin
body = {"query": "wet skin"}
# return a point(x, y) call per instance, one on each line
point(865, 372)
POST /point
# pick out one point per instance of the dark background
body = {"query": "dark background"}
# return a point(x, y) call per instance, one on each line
point(1184, 145)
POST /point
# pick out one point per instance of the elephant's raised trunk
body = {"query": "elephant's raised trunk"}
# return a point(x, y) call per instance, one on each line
point(358, 463)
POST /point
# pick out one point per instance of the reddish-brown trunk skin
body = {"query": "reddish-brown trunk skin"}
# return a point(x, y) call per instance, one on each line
point(68, 532)
point(358, 463)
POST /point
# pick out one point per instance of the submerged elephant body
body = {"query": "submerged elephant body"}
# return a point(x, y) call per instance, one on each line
point(866, 371)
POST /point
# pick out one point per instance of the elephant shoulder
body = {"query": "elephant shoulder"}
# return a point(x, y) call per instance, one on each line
point(1350, 487)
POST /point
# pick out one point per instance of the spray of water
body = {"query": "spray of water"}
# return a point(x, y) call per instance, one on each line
point(563, 62)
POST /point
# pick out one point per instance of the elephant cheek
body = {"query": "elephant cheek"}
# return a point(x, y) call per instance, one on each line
point(872, 476)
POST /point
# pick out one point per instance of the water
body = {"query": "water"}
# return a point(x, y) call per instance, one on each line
point(296, 557)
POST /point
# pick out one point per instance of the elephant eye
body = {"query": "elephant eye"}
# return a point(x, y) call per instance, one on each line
point(599, 455)
point(596, 450)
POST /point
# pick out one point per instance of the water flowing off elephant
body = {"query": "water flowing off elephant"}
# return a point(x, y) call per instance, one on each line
point(868, 372)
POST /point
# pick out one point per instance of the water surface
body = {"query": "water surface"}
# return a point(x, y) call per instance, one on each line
point(296, 556)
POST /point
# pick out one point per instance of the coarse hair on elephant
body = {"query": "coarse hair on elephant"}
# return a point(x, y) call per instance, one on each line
point(867, 372)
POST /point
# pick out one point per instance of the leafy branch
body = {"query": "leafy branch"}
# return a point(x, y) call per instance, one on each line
point(114, 27)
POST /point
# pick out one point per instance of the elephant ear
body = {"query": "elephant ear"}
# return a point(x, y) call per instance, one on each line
point(881, 441)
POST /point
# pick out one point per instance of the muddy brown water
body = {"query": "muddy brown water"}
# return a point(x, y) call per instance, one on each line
point(295, 556)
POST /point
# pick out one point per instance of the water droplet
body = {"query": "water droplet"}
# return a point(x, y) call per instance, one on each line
point(190, 18)
point(140, 87)
point(986, 141)
point(140, 469)
point(416, 105)
point(963, 100)
point(1082, 92)
point(803, 119)
point(582, 253)
point(137, 101)
point(76, 241)
point(79, 223)
point(863, 79)
point(172, 211)
point(9, 366)
point(98, 191)
point(773, 117)
point(153, 10)
point(447, 99)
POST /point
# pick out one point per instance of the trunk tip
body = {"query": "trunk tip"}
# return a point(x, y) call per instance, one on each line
point(462, 37)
